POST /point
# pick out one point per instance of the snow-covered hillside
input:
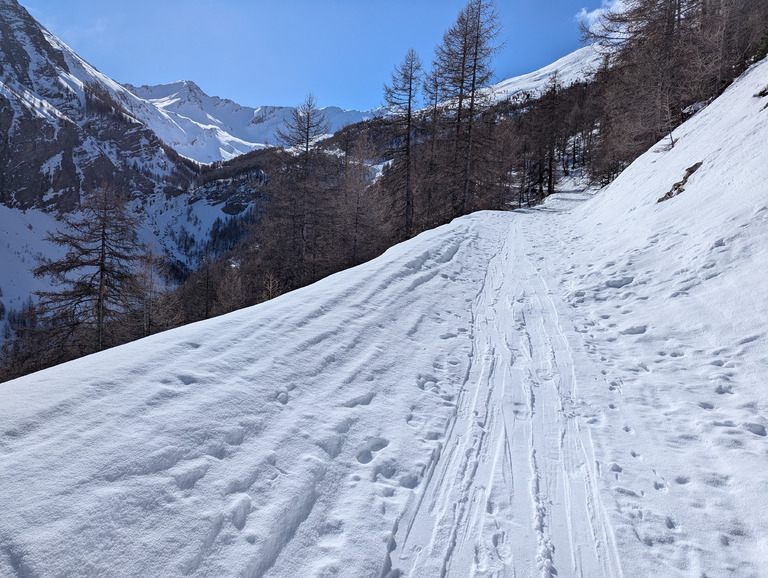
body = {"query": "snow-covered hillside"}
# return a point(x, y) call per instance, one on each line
point(578, 66)
point(21, 243)
point(208, 128)
point(573, 390)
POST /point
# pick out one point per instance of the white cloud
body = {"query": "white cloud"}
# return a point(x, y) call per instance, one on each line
point(590, 17)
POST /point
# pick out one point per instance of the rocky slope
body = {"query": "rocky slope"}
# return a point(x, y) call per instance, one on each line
point(64, 124)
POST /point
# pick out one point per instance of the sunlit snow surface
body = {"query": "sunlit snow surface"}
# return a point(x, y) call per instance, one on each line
point(578, 389)
point(577, 66)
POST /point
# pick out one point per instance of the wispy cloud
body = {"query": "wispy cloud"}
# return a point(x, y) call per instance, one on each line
point(591, 17)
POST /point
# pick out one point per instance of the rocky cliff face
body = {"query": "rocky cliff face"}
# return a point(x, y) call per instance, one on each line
point(63, 126)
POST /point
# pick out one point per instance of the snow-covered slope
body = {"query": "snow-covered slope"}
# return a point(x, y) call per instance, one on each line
point(578, 66)
point(21, 243)
point(573, 390)
point(208, 128)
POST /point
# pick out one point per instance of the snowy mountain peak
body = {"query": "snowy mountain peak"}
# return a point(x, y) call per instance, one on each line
point(208, 128)
point(180, 94)
point(162, 91)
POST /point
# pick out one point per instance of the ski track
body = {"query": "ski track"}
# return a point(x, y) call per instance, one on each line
point(514, 491)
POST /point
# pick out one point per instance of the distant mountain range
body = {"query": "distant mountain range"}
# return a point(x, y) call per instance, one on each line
point(208, 128)
point(64, 125)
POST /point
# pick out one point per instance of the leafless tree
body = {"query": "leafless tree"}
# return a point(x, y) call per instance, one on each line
point(101, 251)
point(400, 98)
point(463, 66)
point(305, 124)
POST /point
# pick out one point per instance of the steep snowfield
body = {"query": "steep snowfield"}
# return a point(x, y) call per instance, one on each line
point(577, 66)
point(573, 390)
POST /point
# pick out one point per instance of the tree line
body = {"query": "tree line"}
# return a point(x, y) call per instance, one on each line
point(443, 149)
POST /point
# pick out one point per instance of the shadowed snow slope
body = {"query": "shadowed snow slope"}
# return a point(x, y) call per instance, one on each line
point(574, 390)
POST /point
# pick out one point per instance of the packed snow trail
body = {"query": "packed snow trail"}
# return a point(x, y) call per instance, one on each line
point(514, 489)
point(576, 390)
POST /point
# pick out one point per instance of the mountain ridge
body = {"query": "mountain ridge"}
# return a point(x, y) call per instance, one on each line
point(209, 128)
point(64, 130)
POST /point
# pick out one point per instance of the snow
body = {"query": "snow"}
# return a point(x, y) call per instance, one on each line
point(577, 389)
point(164, 218)
point(22, 239)
point(21, 242)
point(577, 66)
point(200, 127)
point(207, 128)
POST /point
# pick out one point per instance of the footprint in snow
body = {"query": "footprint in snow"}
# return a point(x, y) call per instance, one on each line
point(619, 282)
point(366, 453)
point(755, 428)
point(187, 479)
point(750, 339)
point(634, 330)
point(240, 511)
point(360, 400)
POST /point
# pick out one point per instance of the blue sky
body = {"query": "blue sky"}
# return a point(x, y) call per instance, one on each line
point(268, 52)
